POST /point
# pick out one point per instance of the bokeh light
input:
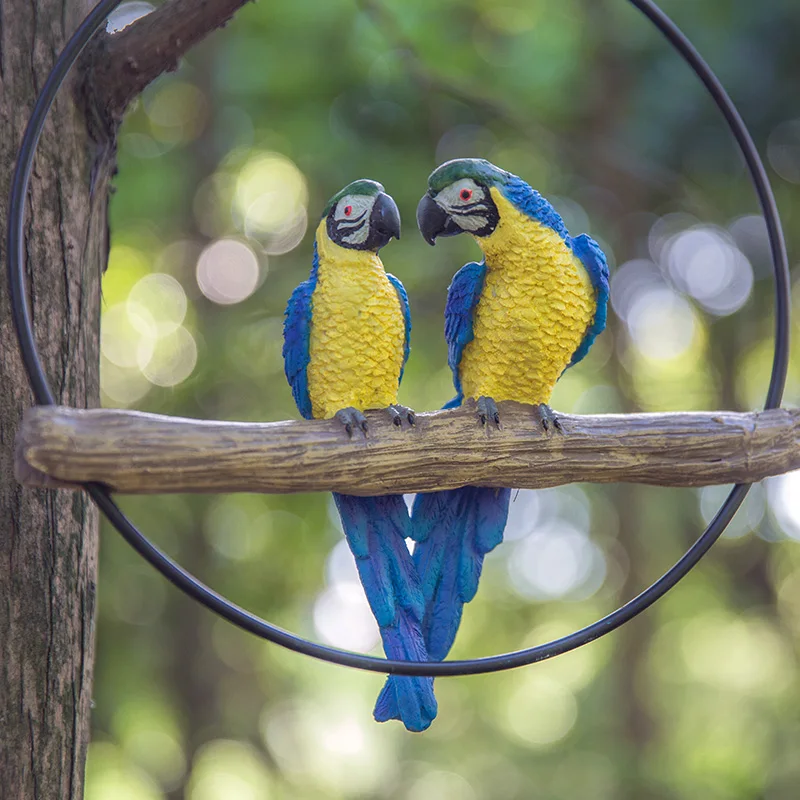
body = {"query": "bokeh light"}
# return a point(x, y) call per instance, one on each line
point(704, 263)
point(173, 359)
point(783, 150)
point(664, 229)
point(122, 386)
point(228, 271)
point(525, 511)
point(340, 566)
point(661, 324)
point(143, 341)
point(748, 518)
point(128, 335)
point(784, 500)
point(342, 618)
point(270, 202)
point(160, 297)
point(555, 562)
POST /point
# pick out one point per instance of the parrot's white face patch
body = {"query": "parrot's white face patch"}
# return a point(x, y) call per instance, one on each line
point(466, 203)
point(352, 217)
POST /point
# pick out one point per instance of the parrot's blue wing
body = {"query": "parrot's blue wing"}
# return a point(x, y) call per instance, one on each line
point(454, 531)
point(376, 529)
point(462, 299)
point(296, 336)
point(593, 259)
point(403, 297)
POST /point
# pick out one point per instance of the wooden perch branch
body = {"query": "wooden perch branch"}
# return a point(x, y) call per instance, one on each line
point(145, 454)
point(120, 65)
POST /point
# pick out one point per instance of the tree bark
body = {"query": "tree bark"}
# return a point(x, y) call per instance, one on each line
point(120, 66)
point(48, 539)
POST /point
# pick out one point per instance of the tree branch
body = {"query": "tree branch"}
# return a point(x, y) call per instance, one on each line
point(559, 145)
point(145, 454)
point(120, 65)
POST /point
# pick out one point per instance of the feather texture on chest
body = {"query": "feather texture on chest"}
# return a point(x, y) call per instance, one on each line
point(357, 333)
point(536, 305)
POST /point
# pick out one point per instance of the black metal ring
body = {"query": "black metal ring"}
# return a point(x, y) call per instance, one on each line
point(238, 616)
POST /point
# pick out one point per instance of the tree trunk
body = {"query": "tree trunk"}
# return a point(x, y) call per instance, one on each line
point(48, 539)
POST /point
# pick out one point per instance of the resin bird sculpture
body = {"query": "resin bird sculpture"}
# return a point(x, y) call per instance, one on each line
point(513, 324)
point(346, 342)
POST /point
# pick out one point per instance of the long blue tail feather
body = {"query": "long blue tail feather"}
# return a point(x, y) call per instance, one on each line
point(454, 531)
point(410, 700)
point(376, 529)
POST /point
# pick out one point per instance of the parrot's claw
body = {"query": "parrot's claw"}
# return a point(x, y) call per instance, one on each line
point(487, 411)
point(352, 418)
point(399, 413)
point(547, 418)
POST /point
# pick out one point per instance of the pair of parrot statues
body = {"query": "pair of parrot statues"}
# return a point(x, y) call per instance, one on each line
point(513, 323)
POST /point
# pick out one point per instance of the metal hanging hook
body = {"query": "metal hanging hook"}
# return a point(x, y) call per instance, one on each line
point(188, 584)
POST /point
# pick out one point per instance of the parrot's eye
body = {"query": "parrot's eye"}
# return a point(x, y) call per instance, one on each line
point(348, 210)
point(465, 194)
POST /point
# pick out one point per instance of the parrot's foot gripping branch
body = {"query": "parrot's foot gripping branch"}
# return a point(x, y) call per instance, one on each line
point(487, 411)
point(352, 418)
point(547, 418)
point(399, 413)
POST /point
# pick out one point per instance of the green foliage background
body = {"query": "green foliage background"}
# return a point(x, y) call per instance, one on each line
point(697, 698)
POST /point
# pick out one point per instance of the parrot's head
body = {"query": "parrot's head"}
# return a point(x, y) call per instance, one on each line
point(458, 199)
point(362, 217)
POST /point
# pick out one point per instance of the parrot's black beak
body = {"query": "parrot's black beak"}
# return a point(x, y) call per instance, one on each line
point(384, 220)
point(433, 221)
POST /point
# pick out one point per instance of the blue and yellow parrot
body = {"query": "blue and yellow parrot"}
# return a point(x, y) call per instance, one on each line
point(513, 324)
point(346, 342)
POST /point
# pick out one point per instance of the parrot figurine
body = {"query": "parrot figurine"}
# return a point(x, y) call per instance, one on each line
point(513, 324)
point(346, 342)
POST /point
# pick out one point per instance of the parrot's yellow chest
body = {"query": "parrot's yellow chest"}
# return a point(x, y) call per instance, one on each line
point(536, 305)
point(357, 332)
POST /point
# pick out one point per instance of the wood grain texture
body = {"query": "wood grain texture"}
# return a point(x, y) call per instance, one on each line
point(132, 452)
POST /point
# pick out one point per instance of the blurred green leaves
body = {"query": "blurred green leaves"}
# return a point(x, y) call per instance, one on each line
point(225, 167)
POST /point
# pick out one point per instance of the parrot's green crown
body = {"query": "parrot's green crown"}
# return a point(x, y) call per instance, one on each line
point(478, 169)
point(363, 186)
